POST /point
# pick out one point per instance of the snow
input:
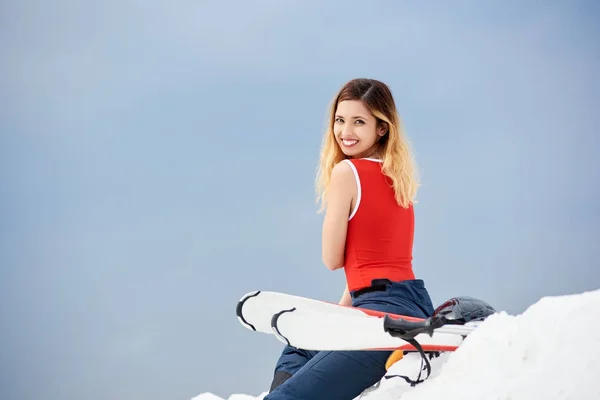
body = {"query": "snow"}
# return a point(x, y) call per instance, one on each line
point(548, 352)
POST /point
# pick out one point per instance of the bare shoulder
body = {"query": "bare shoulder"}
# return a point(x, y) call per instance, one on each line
point(342, 172)
point(342, 178)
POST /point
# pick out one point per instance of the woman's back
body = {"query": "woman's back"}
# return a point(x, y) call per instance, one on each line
point(380, 232)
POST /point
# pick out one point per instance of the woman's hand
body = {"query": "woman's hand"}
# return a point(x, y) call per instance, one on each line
point(346, 300)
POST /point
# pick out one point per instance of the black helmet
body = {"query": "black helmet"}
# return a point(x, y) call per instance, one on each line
point(464, 309)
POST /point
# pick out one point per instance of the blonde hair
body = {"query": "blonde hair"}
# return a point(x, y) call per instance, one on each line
point(398, 163)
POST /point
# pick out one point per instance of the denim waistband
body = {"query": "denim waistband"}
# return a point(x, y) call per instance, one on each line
point(383, 284)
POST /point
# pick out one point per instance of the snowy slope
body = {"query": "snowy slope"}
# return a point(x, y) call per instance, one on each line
point(548, 352)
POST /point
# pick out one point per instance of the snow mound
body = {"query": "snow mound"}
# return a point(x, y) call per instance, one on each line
point(548, 352)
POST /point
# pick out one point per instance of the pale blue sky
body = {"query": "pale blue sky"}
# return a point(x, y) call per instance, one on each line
point(157, 163)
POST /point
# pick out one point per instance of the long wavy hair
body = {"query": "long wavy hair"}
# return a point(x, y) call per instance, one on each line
point(398, 163)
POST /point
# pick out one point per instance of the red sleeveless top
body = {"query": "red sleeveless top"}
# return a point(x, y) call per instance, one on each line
point(380, 233)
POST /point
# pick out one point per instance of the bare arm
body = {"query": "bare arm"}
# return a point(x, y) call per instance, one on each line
point(339, 202)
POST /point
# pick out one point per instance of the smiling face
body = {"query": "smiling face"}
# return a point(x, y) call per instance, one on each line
point(356, 130)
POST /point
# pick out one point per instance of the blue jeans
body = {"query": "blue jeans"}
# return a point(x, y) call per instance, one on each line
point(344, 375)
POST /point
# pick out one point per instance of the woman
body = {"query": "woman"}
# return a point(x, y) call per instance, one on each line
point(367, 183)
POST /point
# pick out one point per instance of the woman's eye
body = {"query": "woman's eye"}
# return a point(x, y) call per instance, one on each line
point(339, 120)
point(360, 122)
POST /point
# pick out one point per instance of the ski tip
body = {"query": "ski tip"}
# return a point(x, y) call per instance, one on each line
point(274, 320)
point(239, 309)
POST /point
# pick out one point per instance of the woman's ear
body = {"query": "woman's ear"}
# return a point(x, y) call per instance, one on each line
point(383, 128)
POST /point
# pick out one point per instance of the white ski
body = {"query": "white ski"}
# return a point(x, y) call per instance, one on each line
point(344, 327)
